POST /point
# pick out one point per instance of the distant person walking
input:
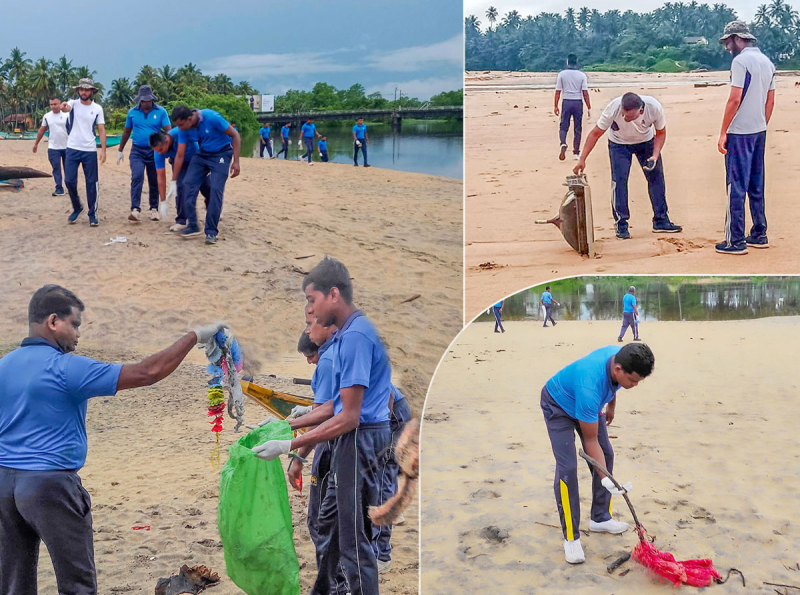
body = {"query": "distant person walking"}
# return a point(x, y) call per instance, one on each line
point(638, 127)
point(85, 116)
point(56, 122)
point(309, 130)
point(743, 138)
point(285, 129)
point(547, 301)
point(630, 315)
point(266, 141)
point(145, 118)
point(573, 86)
point(498, 312)
point(360, 141)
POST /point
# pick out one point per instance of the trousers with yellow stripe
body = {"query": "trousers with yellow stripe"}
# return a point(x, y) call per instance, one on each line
point(562, 428)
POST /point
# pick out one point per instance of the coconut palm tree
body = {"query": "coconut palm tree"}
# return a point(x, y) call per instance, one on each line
point(491, 15)
point(41, 82)
point(147, 76)
point(122, 93)
point(64, 74)
point(222, 84)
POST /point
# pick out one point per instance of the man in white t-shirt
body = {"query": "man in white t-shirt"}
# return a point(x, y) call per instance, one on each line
point(637, 126)
point(84, 117)
point(56, 122)
point(743, 137)
point(573, 86)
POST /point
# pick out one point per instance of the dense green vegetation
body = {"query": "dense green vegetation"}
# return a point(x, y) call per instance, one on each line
point(676, 37)
point(27, 86)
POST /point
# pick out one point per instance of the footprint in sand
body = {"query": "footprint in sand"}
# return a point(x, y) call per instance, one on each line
point(484, 494)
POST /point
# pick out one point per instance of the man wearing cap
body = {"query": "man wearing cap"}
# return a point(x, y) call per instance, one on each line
point(44, 391)
point(573, 85)
point(84, 117)
point(637, 127)
point(143, 120)
point(56, 122)
point(630, 315)
point(743, 137)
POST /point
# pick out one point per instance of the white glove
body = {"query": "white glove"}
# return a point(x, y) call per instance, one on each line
point(173, 190)
point(263, 423)
point(163, 209)
point(272, 449)
point(300, 143)
point(120, 157)
point(612, 489)
point(358, 143)
point(299, 411)
point(207, 332)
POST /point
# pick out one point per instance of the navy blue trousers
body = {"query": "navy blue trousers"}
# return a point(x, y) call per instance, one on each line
point(88, 160)
point(142, 160)
point(212, 168)
point(284, 148)
point(324, 156)
point(497, 321)
point(744, 172)
point(629, 320)
point(180, 204)
point(547, 314)
point(363, 148)
point(400, 416)
point(621, 157)
point(308, 141)
point(345, 528)
point(49, 506)
point(571, 109)
point(561, 428)
point(57, 158)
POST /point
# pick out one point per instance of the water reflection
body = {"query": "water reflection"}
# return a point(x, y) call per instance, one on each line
point(662, 298)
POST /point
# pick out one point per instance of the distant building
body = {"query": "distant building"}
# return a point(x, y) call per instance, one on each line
point(19, 121)
point(695, 40)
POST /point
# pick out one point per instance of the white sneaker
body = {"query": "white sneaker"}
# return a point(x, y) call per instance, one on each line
point(401, 520)
point(609, 526)
point(311, 163)
point(177, 226)
point(573, 552)
point(134, 216)
point(384, 567)
point(576, 157)
point(154, 215)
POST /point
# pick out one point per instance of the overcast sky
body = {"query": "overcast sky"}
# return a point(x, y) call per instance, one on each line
point(414, 44)
point(745, 9)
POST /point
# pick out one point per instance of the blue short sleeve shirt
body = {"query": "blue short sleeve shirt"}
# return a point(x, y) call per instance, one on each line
point(398, 396)
point(284, 131)
point(322, 380)
point(584, 387)
point(43, 397)
point(143, 125)
point(360, 130)
point(191, 149)
point(547, 297)
point(628, 302)
point(308, 129)
point(323, 146)
point(498, 304)
point(209, 132)
point(360, 359)
point(264, 132)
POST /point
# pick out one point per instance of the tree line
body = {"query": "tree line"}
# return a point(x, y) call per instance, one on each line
point(676, 37)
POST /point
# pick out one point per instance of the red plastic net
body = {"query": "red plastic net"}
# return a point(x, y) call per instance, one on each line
point(695, 573)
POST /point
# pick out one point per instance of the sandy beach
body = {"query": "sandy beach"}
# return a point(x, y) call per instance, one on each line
point(148, 463)
point(514, 177)
point(708, 441)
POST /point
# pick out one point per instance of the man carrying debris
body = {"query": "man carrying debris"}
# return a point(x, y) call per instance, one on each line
point(638, 127)
point(572, 401)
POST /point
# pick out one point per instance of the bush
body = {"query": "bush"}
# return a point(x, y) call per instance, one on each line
point(668, 65)
point(232, 108)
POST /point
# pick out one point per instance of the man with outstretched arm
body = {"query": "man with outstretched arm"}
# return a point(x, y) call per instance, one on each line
point(44, 391)
point(572, 401)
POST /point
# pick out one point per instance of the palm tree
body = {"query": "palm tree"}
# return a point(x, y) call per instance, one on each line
point(63, 73)
point(512, 19)
point(41, 82)
point(17, 65)
point(491, 15)
point(222, 84)
point(472, 24)
point(245, 88)
point(122, 93)
point(167, 73)
point(147, 76)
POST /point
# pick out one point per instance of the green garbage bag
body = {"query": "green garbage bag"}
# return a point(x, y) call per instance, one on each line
point(255, 520)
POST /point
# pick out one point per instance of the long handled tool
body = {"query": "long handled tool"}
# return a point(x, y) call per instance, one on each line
point(696, 573)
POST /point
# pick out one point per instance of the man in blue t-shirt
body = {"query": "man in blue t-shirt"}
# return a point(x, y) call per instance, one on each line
point(547, 301)
point(266, 141)
point(322, 145)
point(497, 309)
point(358, 416)
point(360, 141)
point(308, 131)
point(44, 391)
point(630, 315)
point(285, 129)
point(219, 145)
point(572, 401)
point(165, 146)
point(143, 120)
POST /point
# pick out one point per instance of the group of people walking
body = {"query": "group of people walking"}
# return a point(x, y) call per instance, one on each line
point(308, 134)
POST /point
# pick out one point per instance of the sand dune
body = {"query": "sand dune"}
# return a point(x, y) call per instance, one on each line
point(709, 442)
point(514, 177)
point(399, 234)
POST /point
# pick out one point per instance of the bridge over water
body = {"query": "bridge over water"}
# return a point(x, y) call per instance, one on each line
point(395, 115)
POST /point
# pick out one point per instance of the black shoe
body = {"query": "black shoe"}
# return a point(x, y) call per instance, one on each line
point(668, 227)
point(367, 165)
point(497, 331)
point(544, 326)
point(211, 239)
point(724, 248)
point(636, 339)
point(554, 323)
point(623, 234)
point(619, 339)
point(74, 216)
point(57, 193)
point(190, 232)
point(761, 242)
